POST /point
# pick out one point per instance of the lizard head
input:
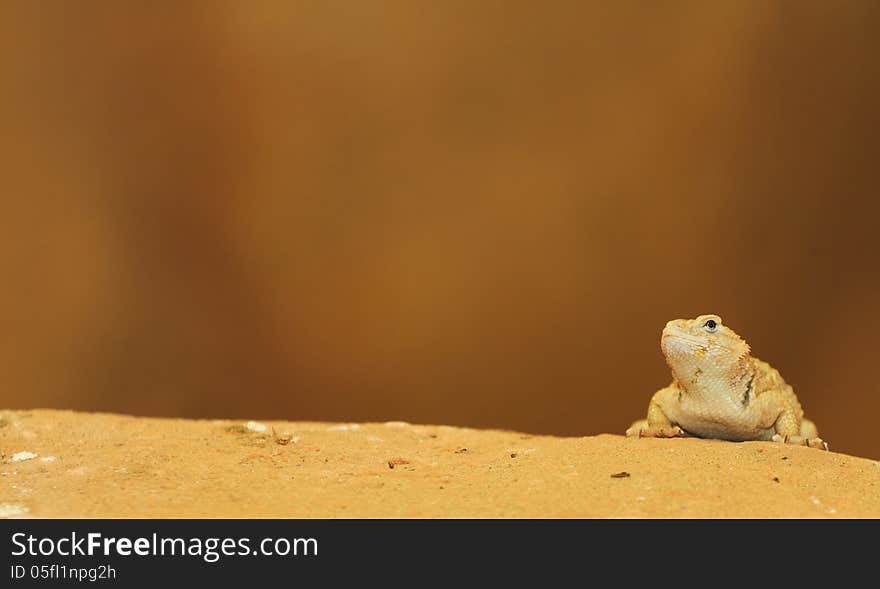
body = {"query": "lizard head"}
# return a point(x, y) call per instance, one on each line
point(703, 349)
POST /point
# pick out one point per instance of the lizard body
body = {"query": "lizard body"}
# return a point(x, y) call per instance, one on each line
point(720, 391)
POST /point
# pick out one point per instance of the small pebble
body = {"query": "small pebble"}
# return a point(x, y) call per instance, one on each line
point(343, 427)
point(22, 456)
point(9, 510)
point(255, 427)
point(397, 461)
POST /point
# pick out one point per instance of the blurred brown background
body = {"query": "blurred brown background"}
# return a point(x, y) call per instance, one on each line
point(474, 213)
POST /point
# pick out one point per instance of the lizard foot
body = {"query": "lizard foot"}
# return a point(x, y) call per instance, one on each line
point(642, 430)
point(801, 441)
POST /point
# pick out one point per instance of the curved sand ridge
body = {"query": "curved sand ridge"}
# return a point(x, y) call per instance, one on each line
point(67, 464)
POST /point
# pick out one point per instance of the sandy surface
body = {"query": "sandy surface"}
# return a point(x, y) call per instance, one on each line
point(102, 465)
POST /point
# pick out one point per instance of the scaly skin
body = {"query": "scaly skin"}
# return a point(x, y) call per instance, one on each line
point(720, 391)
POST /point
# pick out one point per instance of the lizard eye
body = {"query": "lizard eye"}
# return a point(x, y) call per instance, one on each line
point(711, 325)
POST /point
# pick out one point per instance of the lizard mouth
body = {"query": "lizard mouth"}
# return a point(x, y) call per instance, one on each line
point(679, 344)
point(682, 337)
point(677, 334)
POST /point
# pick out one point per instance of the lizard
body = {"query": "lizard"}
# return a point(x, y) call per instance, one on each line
point(719, 390)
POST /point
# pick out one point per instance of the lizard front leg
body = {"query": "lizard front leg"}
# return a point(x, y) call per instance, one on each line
point(658, 424)
point(790, 429)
